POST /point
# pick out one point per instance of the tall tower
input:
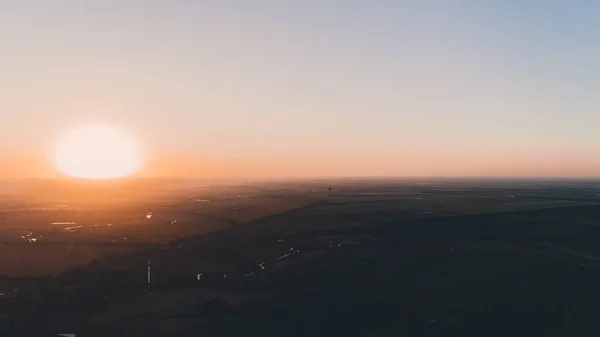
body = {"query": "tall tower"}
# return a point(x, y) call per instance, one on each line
point(149, 279)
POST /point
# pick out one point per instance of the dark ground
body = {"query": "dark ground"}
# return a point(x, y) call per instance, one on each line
point(369, 258)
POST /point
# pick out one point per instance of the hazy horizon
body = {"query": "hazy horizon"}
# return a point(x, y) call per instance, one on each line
point(261, 168)
point(308, 89)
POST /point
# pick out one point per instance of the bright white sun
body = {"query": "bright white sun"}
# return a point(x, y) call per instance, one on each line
point(97, 152)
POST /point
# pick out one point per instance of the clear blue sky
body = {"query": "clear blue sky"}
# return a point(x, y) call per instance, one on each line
point(352, 81)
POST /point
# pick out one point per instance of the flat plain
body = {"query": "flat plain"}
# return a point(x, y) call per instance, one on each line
point(371, 257)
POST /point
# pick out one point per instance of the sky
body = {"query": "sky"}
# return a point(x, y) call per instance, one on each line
point(308, 88)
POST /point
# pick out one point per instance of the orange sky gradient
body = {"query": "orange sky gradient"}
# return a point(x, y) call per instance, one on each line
point(422, 163)
point(286, 89)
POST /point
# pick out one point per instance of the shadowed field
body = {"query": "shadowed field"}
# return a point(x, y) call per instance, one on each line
point(369, 258)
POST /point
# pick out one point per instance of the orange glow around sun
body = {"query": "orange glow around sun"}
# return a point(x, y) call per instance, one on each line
point(97, 152)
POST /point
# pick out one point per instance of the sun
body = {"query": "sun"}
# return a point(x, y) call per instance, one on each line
point(97, 152)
